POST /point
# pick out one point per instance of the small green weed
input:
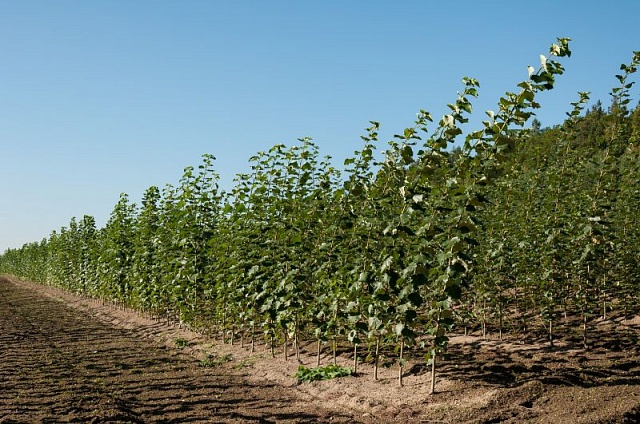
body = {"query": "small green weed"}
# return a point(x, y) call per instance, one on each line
point(245, 363)
point(182, 343)
point(329, 372)
point(211, 360)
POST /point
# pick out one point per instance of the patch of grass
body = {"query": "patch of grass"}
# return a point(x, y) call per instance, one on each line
point(182, 343)
point(329, 372)
point(245, 363)
point(212, 361)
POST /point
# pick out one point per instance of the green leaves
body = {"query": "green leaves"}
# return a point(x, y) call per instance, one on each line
point(620, 95)
point(499, 222)
point(329, 372)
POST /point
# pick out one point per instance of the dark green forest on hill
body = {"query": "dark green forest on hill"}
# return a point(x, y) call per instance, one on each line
point(512, 228)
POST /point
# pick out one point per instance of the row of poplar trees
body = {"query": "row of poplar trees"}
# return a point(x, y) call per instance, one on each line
point(508, 228)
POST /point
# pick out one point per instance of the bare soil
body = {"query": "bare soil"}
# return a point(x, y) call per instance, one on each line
point(64, 358)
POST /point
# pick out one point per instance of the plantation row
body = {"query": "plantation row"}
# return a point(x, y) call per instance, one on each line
point(510, 225)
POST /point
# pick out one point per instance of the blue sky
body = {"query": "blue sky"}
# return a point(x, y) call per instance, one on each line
point(103, 97)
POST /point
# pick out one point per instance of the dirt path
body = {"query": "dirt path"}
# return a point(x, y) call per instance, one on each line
point(64, 358)
point(61, 365)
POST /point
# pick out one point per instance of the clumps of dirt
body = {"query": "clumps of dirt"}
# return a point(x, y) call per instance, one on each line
point(478, 381)
point(61, 364)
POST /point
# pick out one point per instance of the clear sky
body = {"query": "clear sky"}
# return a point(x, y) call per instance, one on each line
point(103, 97)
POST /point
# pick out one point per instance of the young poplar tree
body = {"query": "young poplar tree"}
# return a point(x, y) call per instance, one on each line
point(116, 241)
point(146, 262)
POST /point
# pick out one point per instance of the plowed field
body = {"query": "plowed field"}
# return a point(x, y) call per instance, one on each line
point(60, 365)
point(64, 358)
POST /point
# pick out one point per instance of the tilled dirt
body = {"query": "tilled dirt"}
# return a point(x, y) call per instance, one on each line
point(68, 359)
point(60, 365)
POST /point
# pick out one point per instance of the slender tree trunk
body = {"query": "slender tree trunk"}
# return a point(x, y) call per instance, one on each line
point(375, 364)
point(584, 329)
point(484, 319)
point(318, 353)
point(224, 325)
point(500, 320)
point(272, 344)
point(355, 359)
point(432, 390)
point(286, 345)
point(401, 363)
point(253, 339)
point(296, 339)
point(550, 331)
point(335, 358)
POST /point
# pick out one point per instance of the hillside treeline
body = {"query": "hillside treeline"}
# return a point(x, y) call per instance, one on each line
point(508, 228)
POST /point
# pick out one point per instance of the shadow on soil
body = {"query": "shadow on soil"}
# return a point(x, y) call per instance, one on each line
point(613, 358)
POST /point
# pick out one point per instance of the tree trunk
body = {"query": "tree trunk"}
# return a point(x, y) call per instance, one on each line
point(550, 331)
point(272, 343)
point(253, 343)
point(604, 298)
point(584, 330)
point(433, 375)
point(375, 364)
point(500, 320)
point(355, 359)
point(335, 359)
point(401, 363)
point(296, 339)
point(286, 345)
point(484, 319)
